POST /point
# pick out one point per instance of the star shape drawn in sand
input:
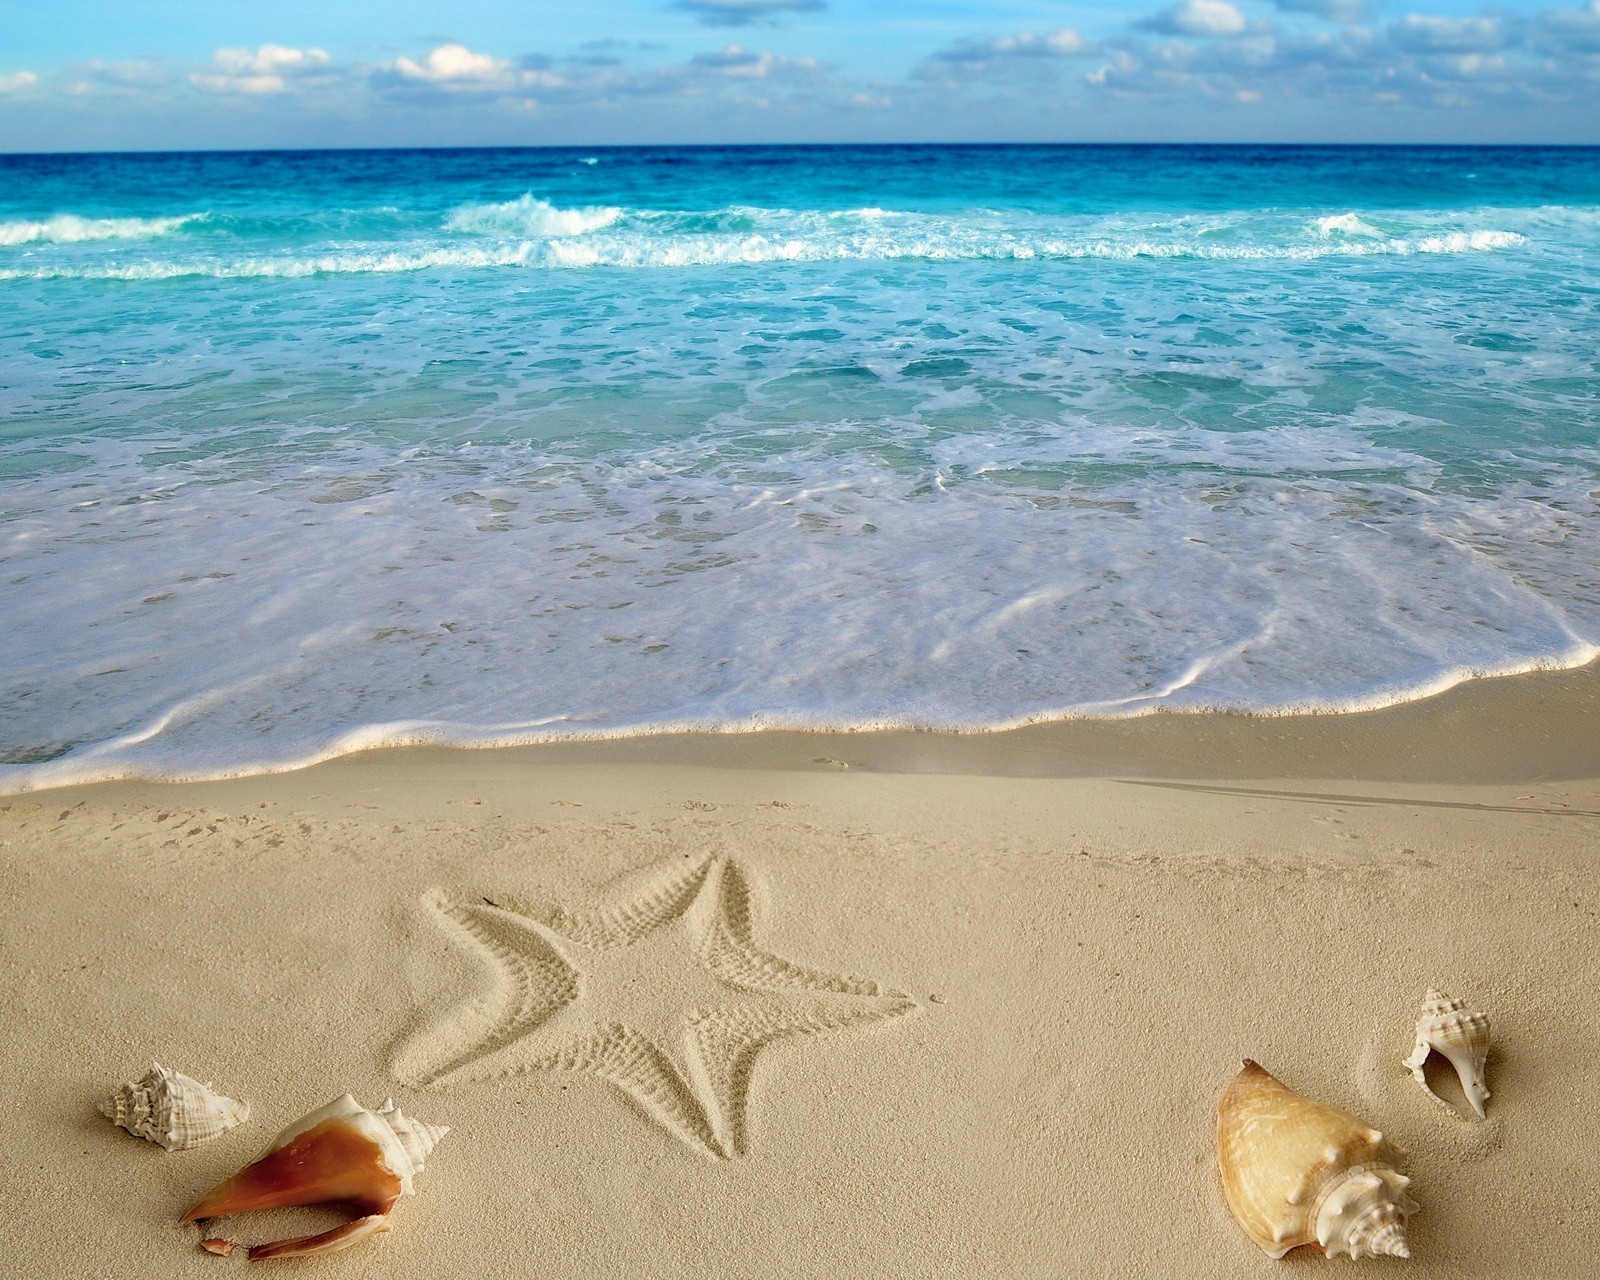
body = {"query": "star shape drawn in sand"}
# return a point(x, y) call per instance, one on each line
point(665, 995)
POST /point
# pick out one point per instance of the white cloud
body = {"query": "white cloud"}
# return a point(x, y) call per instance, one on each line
point(1198, 18)
point(455, 70)
point(1064, 42)
point(1121, 72)
point(1324, 66)
point(1219, 55)
point(1468, 66)
point(453, 65)
point(1419, 61)
point(741, 13)
point(1419, 34)
point(587, 80)
point(999, 56)
point(265, 70)
point(747, 64)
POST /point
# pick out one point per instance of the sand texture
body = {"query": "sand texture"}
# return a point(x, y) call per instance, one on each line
point(691, 1020)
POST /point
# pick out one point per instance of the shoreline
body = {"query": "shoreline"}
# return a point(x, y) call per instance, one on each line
point(1530, 726)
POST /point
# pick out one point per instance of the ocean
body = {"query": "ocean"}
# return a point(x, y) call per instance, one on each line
point(302, 453)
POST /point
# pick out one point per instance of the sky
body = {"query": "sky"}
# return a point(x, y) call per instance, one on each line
point(92, 75)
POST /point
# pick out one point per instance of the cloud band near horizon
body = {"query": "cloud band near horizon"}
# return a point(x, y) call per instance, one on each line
point(1223, 68)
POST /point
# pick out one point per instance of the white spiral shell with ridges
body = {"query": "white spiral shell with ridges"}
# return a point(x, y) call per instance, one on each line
point(1363, 1213)
point(172, 1110)
point(1449, 1029)
point(416, 1137)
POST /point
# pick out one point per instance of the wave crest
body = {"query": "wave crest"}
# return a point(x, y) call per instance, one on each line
point(72, 228)
point(643, 250)
point(1344, 224)
point(528, 216)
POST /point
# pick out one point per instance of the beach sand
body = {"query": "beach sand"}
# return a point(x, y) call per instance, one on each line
point(993, 987)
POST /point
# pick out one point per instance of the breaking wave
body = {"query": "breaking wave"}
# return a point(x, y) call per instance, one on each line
point(528, 216)
point(1344, 224)
point(820, 238)
point(71, 228)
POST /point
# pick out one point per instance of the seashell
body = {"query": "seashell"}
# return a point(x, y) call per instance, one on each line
point(1296, 1172)
point(418, 1137)
point(1448, 1029)
point(219, 1246)
point(170, 1109)
point(339, 1153)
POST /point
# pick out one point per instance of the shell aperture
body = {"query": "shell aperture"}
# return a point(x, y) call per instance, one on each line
point(1461, 1037)
point(340, 1153)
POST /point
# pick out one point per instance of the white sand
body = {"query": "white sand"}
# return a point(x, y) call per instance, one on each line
point(1008, 1008)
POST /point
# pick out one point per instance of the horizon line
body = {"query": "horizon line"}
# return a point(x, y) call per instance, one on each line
point(799, 146)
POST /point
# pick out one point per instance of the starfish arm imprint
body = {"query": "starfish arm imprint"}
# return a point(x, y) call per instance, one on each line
point(729, 951)
point(726, 1042)
point(534, 981)
point(643, 1072)
point(666, 900)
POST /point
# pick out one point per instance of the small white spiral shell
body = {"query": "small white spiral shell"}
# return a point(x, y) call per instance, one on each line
point(1447, 1028)
point(172, 1110)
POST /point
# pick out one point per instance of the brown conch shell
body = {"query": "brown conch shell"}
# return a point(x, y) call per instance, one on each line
point(171, 1110)
point(341, 1153)
point(1448, 1029)
point(1296, 1172)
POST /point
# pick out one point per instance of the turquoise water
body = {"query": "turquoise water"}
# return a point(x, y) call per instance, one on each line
point(306, 452)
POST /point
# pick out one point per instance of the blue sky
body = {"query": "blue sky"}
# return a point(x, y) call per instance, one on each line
point(93, 74)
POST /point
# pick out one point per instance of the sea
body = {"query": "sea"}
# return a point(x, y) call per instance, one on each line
point(304, 453)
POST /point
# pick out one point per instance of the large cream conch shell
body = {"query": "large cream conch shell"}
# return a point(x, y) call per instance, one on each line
point(171, 1110)
point(340, 1153)
point(1448, 1029)
point(1299, 1172)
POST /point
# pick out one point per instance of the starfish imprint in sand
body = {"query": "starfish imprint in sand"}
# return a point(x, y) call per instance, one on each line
point(666, 996)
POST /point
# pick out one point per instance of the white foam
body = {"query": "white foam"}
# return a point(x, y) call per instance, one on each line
point(648, 250)
point(1467, 242)
point(639, 593)
point(962, 499)
point(528, 216)
point(1344, 224)
point(71, 228)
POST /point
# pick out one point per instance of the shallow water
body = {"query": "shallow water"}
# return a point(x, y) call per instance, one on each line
point(303, 452)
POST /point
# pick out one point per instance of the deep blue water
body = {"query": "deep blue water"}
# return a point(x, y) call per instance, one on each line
point(305, 451)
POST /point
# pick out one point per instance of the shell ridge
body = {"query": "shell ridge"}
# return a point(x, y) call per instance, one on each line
point(1461, 1037)
point(173, 1110)
point(1296, 1171)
